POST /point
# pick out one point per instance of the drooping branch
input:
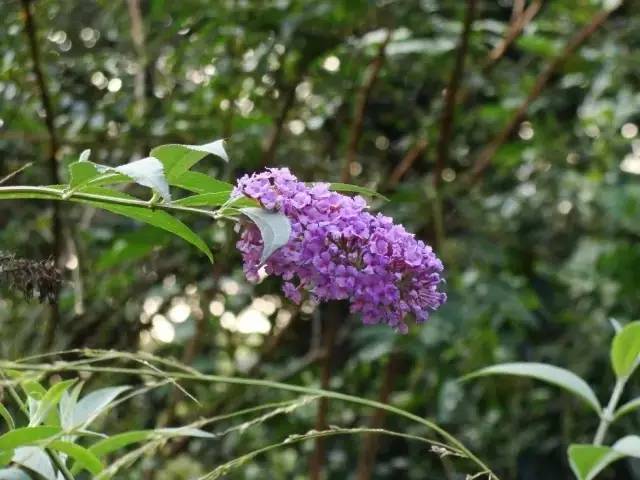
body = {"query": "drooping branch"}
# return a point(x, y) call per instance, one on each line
point(407, 162)
point(485, 157)
point(362, 98)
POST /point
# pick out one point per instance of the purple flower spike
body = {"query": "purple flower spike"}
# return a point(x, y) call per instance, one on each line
point(338, 250)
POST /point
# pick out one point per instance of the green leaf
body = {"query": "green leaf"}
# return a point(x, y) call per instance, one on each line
point(81, 173)
point(587, 461)
point(4, 413)
point(628, 407)
point(67, 406)
point(27, 436)
point(13, 474)
point(49, 401)
point(274, 227)
point(84, 458)
point(200, 183)
point(547, 373)
point(157, 218)
point(345, 187)
point(95, 403)
point(122, 440)
point(116, 442)
point(625, 350)
point(204, 199)
point(36, 459)
point(177, 159)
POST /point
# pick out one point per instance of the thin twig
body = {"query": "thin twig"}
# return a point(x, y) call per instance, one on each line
point(407, 162)
point(362, 98)
point(517, 25)
point(366, 460)
point(485, 157)
point(15, 172)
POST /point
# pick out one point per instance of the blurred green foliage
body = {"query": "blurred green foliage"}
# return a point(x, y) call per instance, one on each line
point(540, 252)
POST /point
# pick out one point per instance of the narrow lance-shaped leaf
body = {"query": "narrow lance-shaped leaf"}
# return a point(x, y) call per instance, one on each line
point(274, 227)
point(49, 401)
point(84, 458)
point(13, 474)
point(93, 404)
point(547, 373)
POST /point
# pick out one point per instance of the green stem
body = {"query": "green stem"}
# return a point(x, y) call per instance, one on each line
point(58, 194)
point(266, 384)
point(607, 415)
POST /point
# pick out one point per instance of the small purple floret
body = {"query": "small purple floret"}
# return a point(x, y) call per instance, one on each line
point(338, 250)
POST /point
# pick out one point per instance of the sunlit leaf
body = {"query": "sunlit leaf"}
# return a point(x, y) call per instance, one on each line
point(49, 401)
point(177, 159)
point(13, 474)
point(95, 403)
point(35, 459)
point(345, 187)
point(587, 461)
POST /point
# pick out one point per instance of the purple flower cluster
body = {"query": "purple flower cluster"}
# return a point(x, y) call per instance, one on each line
point(338, 250)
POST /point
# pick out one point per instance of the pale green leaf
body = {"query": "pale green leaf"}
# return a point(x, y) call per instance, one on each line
point(547, 373)
point(95, 403)
point(35, 459)
point(274, 227)
point(13, 474)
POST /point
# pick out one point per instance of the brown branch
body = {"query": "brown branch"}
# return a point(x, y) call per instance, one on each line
point(54, 145)
point(362, 98)
point(407, 162)
point(138, 37)
point(448, 111)
point(331, 319)
point(485, 157)
point(366, 460)
point(518, 24)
